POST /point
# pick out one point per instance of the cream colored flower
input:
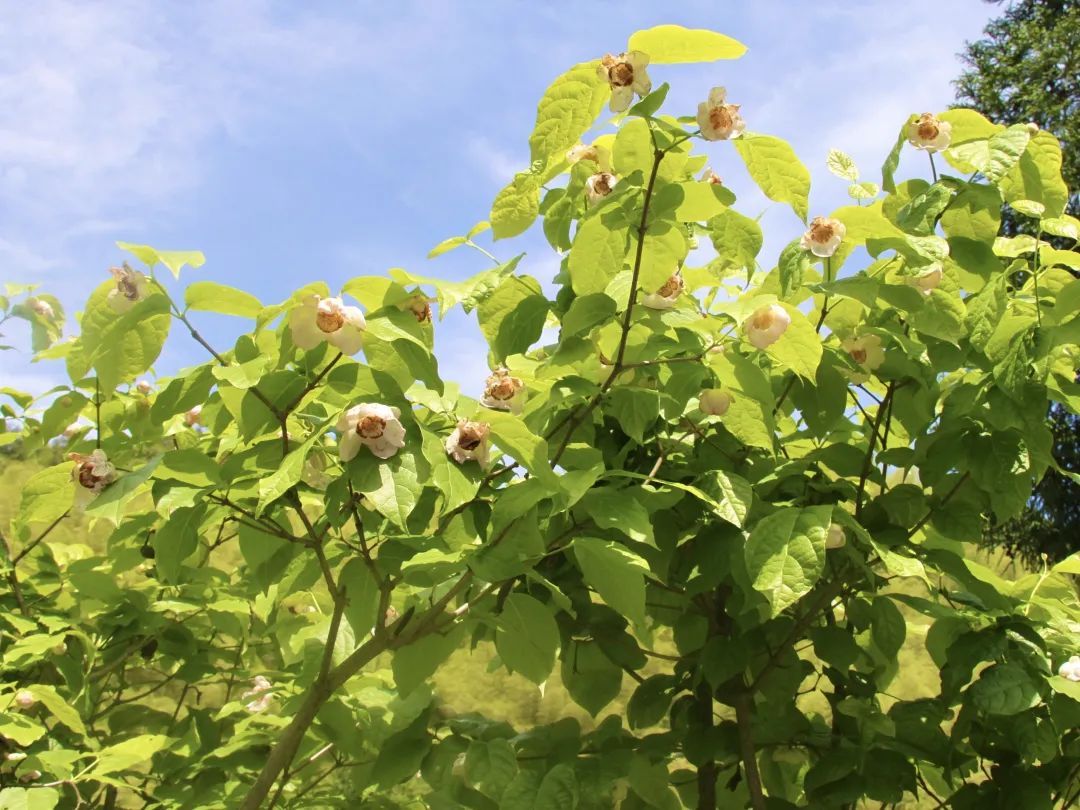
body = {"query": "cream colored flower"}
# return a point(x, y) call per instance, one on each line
point(92, 474)
point(260, 691)
point(376, 426)
point(503, 392)
point(709, 176)
point(599, 186)
point(25, 699)
point(927, 281)
point(1032, 128)
point(469, 441)
point(131, 288)
point(836, 537)
point(144, 387)
point(666, 296)
point(867, 352)
point(1070, 670)
point(15, 756)
point(193, 416)
point(718, 120)
point(766, 325)
point(42, 308)
point(823, 237)
point(580, 152)
point(929, 133)
point(626, 75)
point(714, 401)
point(318, 319)
point(420, 307)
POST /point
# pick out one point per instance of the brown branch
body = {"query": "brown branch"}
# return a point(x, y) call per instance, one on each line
point(744, 712)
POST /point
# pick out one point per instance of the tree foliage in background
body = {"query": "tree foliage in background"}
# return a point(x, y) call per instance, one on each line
point(737, 485)
point(1027, 68)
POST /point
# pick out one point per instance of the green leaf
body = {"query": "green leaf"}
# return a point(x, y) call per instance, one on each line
point(512, 318)
point(792, 265)
point(46, 495)
point(611, 508)
point(616, 573)
point(513, 437)
point(887, 626)
point(664, 250)
point(209, 296)
point(1003, 689)
point(785, 553)
point(730, 495)
point(1037, 175)
point(652, 782)
point(177, 540)
point(672, 44)
point(566, 111)
point(288, 473)
point(776, 169)
point(446, 245)
point(528, 637)
point(393, 486)
point(516, 206)
point(590, 677)
point(558, 789)
point(490, 766)
point(39, 798)
point(60, 707)
point(635, 408)
point(888, 168)
point(173, 259)
point(587, 311)
point(842, 165)
point(126, 755)
point(737, 239)
point(702, 201)
point(416, 662)
point(596, 256)
point(111, 504)
point(799, 348)
point(362, 597)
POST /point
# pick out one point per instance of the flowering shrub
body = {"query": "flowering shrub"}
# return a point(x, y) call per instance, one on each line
point(728, 483)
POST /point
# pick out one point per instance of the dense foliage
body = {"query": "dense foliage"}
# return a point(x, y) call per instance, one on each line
point(1025, 69)
point(737, 485)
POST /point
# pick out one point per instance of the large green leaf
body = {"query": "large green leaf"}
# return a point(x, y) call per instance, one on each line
point(173, 259)
point(176, 540)
point(785, 553)
point(416, 662)
point(46, 495)
point(616, 573)
point(512, 318)
point(596, 255)
point(565, 112)
point(1004, 689)
point(528, 637)
point(776, 169)
point(209, 296)
point(516, 206)
point(670, 44)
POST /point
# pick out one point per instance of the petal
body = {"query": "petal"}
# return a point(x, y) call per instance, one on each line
point(348, 339)
point(642, 84)
point(349, 445)
point(621, 98)
point(347, 421)
point(382, 447)
point(354, 316)
point(717, 96)
point(394, 433)
point(638, 59)
point(119, 303)
point(305, 332)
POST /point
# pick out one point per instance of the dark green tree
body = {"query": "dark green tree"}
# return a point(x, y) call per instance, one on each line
point(1027, 68)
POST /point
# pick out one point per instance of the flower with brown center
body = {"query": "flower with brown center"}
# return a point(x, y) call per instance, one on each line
point(370, 424)
point(667, 296)
point(714, 401)
point(599, 186)
point(626, 75)
point(929, 133)
point(719, 121)
point(92, 474)
point(131, 288)
point(317, 319)
point(709, 176)
point(866, 351)
point(469, 442)
point(581, 152)
point(823, 237)
point(40, 307)
point(503, 392)
point(766, 325)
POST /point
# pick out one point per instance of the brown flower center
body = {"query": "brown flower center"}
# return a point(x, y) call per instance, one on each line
point(370, 427)
point(502, 390)
point(602, 184)
point(762, 320)
point(328, 319)
point(421, 309)
point(720, 118)
point(621, 74)
point(86, 475)
point(472, 435)
point(821, 231)
point(858, 355)
point(672, 287)
point(127, 287)
point(927, 128)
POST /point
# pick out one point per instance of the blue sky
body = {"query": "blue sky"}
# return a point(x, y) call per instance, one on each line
point(324, 140)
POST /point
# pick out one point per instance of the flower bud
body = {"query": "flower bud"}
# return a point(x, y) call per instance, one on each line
point(714, 401)
point(709, 176)
point(42, 308)
point(1070, 670)
point(192, 417)
point(15, 756)
point(144, 387)
point(25, 699)
point(836, 537)
point(928, 280)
